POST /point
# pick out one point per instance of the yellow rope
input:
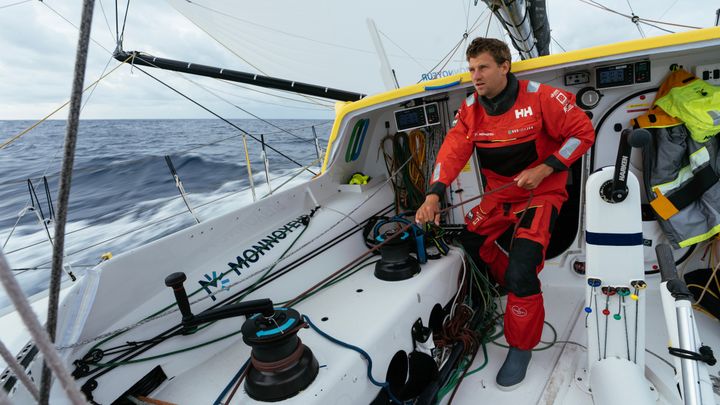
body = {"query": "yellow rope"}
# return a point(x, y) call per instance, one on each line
point(249, 170)
point(714, 273)
point(417, 151)
point(16, 137)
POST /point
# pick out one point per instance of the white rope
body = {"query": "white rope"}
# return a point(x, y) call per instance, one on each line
point(39, 335)
point(20, 215)
point(19, 371)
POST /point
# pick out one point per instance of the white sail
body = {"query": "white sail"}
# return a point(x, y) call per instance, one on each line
point(334, 47)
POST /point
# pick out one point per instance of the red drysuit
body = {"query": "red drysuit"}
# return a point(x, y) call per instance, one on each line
point(525, 125)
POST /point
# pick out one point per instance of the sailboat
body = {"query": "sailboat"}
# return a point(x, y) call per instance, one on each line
point(284, 301)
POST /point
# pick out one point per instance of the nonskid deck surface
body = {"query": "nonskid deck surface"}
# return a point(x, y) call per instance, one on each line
point(557, 375)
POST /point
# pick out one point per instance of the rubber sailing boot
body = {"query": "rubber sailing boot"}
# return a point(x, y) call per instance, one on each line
point(512, 372)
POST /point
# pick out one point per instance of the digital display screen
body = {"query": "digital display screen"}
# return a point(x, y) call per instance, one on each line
point(410, 118)
point(611, 76)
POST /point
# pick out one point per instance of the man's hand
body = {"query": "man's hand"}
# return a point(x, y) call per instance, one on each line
point(529, 179)
point(429, 210)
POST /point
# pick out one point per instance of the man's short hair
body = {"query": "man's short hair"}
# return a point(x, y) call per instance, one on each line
point(495, 47)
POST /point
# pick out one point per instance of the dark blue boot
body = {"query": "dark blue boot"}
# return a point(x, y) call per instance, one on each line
point(512, 372)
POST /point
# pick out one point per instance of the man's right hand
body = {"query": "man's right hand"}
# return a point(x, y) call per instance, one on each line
point(429, 210)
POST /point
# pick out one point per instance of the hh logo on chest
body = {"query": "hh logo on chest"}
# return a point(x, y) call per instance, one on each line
point(523, 112)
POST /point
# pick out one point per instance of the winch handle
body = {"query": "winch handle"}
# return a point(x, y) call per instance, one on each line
point(629, 138)
point(668, 272)
point(666, 262)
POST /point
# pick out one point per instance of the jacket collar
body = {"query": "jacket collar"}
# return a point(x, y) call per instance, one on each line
point(501, 103)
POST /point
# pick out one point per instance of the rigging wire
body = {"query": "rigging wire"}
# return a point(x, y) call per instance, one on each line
point(324, 108)
point(216, 95)
point(487, 30)
point(14, 4)
point(314, 101)
point(668, 9)
point(403, 50)
point(558, 43)
point(121, 35)
point(16, 137)
point(635, 19)
point(595, 3)
point(451, 53)
point(220, 117)
point(107, 23)
point(75, 26)
point(248, 112)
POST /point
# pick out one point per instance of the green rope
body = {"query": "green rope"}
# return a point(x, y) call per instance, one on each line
point(332, 282)
point(187, 349)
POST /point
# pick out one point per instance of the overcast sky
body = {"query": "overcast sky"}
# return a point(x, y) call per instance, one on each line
point(37, 49)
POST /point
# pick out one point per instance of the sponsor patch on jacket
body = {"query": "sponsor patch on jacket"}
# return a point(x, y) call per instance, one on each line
point(532, 86)
point(569, 147)
point(563, 100)
point(523, 129)
point(436, 173)
point(470, 100)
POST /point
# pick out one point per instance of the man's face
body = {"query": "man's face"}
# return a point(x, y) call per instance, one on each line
point(488, 77)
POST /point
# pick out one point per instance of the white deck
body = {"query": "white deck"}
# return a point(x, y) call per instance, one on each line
point(556, 375)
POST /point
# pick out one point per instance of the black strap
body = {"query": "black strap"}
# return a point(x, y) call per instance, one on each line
point(705, 355)
point(702, 180)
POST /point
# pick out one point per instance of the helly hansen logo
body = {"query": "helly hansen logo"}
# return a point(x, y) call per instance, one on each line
point(523, 112)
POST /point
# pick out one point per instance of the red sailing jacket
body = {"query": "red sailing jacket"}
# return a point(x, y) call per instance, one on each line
point(543, 125)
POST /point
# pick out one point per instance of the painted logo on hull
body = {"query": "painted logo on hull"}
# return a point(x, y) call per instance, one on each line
point(356, 140)
point(251, 254)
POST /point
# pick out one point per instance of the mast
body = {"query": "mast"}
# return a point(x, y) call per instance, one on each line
point(144, 59)
point(526, 23)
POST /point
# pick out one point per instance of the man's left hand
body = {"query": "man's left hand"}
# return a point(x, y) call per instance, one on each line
point(529, 179)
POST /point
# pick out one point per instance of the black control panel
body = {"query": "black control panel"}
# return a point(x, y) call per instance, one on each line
point(417, 117)
point(622, 75)
point(642, 71)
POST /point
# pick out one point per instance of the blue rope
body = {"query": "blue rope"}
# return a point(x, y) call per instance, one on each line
point(363, 353)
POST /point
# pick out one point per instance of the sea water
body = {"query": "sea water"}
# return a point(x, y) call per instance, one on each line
point(122, 192)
